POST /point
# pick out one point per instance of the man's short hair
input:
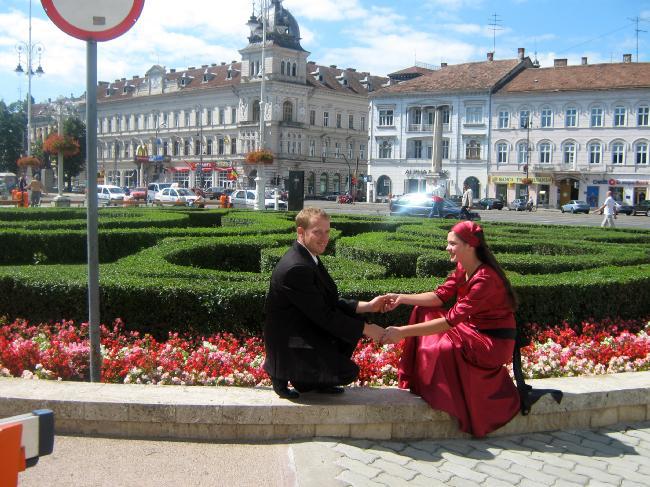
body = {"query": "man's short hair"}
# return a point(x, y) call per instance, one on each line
point(303, 219)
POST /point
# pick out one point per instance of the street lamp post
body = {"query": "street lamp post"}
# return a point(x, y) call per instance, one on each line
point(261, 177)
point(29, 49)
point(60, 107)
point(199, 119)
point(527, 125)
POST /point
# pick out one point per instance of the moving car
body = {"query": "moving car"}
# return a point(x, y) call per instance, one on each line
point(490, 204)
point(154, 188)
point(419, 204)
point(518, 204)
point(245, 198)
point(575, 206)
point(642, 208)
point(180, 196)
point(109, 194)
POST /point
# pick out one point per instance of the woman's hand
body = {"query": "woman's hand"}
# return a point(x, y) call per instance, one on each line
point(392, 334)
point(392, 301)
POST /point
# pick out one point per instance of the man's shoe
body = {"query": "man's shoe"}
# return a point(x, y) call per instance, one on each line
point(281, 389)
point(330, 390)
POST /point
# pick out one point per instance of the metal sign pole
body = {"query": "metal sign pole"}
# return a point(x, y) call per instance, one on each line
point(91, 184)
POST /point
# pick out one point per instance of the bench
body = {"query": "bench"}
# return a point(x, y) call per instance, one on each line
point(9, 203)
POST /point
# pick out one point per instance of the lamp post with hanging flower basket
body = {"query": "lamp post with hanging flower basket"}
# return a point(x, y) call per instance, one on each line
point(260, 156)
point(61, 146)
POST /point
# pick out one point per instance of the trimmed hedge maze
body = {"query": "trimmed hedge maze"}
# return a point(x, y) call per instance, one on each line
point(208, 270)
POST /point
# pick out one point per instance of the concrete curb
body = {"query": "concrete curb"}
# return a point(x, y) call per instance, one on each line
point(247, 414)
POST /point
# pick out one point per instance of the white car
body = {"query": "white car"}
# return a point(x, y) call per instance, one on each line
point(108, 194)
point(154, 189)
point(245, 198)
point(179, 196)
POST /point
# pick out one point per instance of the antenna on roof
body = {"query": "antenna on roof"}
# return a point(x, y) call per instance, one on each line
point(495, 25)
point(636, 20)
point(535, 61)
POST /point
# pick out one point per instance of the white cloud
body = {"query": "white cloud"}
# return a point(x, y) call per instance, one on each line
point(328, 10)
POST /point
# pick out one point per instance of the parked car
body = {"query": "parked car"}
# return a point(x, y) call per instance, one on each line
point(109, 194)
point(642, 208)
point(138, 194)
point(215, 192)
point(625, 209)
point(154, 188)
point(333, 196)
point(78, 189)
point(419, 204)
point(490, 204)
point(518, 204)
point(245, 198)
point(180, 196)
point(575, 206)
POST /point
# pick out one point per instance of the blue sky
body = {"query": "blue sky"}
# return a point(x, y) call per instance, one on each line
point(379, 36)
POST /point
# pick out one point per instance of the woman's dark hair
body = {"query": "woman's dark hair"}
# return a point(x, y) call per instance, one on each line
point(486, 256)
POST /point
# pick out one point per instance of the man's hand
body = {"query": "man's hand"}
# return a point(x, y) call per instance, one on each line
point(392, 301)
point(376, 305)
point(373, 331)
point(392, 334)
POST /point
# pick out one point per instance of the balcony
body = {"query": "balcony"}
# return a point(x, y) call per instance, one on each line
point(420, 127)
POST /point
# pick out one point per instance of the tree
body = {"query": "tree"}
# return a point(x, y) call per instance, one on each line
point(73, 165)
point(12, 135)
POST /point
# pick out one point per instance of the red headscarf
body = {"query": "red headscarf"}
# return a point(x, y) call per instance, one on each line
point(467, 231)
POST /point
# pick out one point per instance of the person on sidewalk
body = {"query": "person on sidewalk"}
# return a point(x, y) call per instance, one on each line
point(609, 209)
point(37, 189)
point(310, 332)
point(466, 202)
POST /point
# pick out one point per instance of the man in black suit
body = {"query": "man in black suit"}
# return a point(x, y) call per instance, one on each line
point(310, 333)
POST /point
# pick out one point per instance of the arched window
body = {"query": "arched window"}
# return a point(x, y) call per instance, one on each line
point(282, 67)
point(323, 183)
point(287, 111)
point(256, 111)
point(384, 186)
point(336, 182)
point(293, 70)
point(473, 150)
point(310, 183)
point(474, 185)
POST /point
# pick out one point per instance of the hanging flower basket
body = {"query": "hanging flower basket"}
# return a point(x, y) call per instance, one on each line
point(263, 156)
point(63, 144)
point(29, 161)
point(526, 181)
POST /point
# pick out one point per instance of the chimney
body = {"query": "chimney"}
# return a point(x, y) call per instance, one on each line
point(333, 66)
point(627, 58)
point(223, 63)
point(584, 60)
point(443, 65)
point(559, 63)
point(521, 53)
point(490, 56)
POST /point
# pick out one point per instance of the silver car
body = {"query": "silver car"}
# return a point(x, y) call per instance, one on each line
point(575, 206)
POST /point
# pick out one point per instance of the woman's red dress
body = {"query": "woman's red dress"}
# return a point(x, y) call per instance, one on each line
point(462, 371)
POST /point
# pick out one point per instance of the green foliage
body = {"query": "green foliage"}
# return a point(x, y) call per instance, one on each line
point(179, 268)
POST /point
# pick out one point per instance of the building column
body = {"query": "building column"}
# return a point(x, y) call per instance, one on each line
point(436, 152)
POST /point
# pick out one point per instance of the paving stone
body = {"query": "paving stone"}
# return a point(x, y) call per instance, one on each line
point(460, 460)
point(596, 436)
point(535, 475)
point(492, 482)
point(627, 483)
point(356, 466)
point(357, 480)
point(427, 482)
point(565, 474)
point(626, 474)
point(602, 448)
point(495, 472)
point(586, 461)
point(572, 447)
point(393, 445)
point(539, 446)
point(427, 445)
point(429, 470)
point(595, 473)
point(508, 444)
point(356, 453)
point(462, 482)
point(598, 483)
point(554, 459)
point(392, 481)
point(394, 469)
point(529, 483)
point(388, 455)
point(623, 438)
point(523, 460)
point(359, 443)
point(630, 463)
point(416, 454)
point(462, 447)
point(640, 434)
point(463, 473)
point(565, 483)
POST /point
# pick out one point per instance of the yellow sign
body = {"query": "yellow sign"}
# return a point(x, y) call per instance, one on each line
point(518, 179)
point(142, 151)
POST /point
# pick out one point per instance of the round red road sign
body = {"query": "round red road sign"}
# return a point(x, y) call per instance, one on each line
point(98, 20)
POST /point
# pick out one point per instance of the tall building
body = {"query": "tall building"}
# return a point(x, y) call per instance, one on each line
point(193, 126)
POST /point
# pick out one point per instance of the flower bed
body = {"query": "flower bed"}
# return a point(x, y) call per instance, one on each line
point(60, 351)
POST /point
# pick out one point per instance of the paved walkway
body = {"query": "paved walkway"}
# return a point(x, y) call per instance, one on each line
point(617, 456)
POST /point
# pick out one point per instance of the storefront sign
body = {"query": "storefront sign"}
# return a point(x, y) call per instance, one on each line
point(419, 172)
point(518, 179)
point(630, 182)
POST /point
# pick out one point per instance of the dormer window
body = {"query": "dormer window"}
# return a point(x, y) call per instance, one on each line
point(206, 78)
point(125, 89)
point(108, 92)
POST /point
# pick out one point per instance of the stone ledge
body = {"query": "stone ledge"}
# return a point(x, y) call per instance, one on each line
point(230, 413)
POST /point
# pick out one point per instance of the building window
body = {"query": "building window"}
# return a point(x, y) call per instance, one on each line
point(350, 121)
point(473, 150)
point(386, 117)
point(177, 148)
point(186, 148)
point(197, 147)
point(445, 149)
point(619, 116)
point(221, 147)
point(524, 119)
point(312, 117)
point(323, 183)
point(337, 150)
point(187, 119)
point(362, 151)
point(312, 148)
point(326, 119)
point(569, 153)
point(208, 147)
point(544, 153)
point(547, 118)
point(287, 111)
point(522, 153)
point(336, 183)
point(446, 113)
point(256, 111)
point(642, 153)
point(642, 115)
point(233, 115)
point(222, 116)
point(618, 153)
point(293, 70)
point(338, 121)
point(417, 149)
point(474, 115)
point(595, 153)
point(416, 116)
point(502, 153)
point(208, 120)
point(282, 67)
point(233, 146)
point(596, 117)
point(146, 122)
point(571, 117)
point(385, 150)
point(350, 150)
point(504, 119)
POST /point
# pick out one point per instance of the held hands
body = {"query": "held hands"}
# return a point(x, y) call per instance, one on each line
point(381, 304)
point(392, 301)
point(373, 331)
point(392, 334)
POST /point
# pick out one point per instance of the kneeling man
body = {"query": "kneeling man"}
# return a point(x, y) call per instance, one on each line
point(310, 333)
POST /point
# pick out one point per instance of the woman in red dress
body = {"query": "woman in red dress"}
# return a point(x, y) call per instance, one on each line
point(455, 358)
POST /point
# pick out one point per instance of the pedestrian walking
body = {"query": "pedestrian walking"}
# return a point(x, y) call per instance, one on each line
point(609, 209)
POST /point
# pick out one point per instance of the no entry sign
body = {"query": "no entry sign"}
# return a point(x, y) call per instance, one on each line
point(93, 20)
